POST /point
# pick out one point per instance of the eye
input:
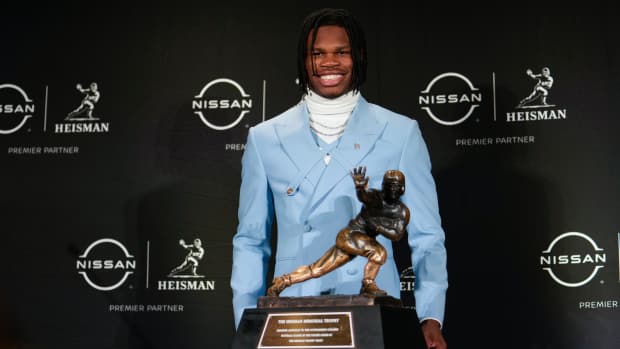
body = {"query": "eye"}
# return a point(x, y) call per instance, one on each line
point(317, 54)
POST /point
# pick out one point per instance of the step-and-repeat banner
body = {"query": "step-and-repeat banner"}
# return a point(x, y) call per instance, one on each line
point(122, 130)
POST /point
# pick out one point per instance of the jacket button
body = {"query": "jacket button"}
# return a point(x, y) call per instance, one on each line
point(289, 191)
point(308, 227)
point(351, 271)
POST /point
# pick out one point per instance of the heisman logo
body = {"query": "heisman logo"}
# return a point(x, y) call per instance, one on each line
point(185, 276)
point(81, 119)
point(194, 254)
point(540, 90)
point(91, 96)
point(536, 107)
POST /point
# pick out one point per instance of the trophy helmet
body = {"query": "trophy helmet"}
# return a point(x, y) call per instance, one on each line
point(394, 177)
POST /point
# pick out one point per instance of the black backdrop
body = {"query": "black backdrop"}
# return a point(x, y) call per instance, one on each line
point(529, 196)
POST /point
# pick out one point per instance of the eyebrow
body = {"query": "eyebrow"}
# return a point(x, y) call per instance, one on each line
point(338, 48)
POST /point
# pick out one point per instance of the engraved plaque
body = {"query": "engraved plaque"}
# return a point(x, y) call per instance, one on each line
point(307, 330)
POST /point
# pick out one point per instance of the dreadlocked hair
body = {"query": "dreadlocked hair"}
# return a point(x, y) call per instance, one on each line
point(357, 40)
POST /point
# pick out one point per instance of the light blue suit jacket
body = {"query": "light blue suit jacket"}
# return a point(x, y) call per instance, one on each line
point(284, 173)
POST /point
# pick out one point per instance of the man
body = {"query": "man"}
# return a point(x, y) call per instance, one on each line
point(194, 254)
point(541, 89)
point(91, 96)
point(295, 168)
point(382, 214)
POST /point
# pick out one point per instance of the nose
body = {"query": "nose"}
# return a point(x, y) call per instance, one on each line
point(330, 60)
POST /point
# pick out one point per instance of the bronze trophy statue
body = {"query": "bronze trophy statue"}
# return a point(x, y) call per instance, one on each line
point(382, 213)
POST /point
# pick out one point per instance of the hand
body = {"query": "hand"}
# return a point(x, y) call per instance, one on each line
point(432, 335)
point(182, 242)
point(359, 176)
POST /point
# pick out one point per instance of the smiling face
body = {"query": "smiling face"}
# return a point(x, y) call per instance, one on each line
point(329, 63)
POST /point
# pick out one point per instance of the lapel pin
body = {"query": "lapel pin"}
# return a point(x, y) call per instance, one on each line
point(356, 146)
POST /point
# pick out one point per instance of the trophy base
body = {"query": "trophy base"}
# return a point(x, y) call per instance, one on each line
point(334, 321)
point(327, 301)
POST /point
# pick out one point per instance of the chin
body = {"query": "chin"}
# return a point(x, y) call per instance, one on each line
point(329, 94)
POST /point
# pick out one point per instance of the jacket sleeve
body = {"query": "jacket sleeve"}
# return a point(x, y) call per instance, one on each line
point(425, 233)
point(251, 243)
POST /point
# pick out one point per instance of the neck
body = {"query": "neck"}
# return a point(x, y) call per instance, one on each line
point(329, 116)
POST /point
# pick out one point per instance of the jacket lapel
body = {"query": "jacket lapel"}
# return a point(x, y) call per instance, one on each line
point(357, 141)
point(296, 138)
point(298, 144)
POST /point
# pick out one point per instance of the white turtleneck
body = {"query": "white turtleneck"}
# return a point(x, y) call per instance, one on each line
point(329, 117)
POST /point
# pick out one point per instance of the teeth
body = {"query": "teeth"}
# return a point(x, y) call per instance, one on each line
point(329, 77)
